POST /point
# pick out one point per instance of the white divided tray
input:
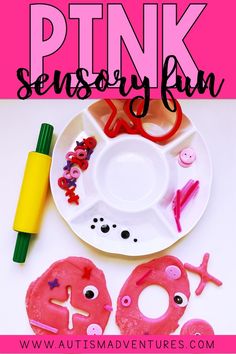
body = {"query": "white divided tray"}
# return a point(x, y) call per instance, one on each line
point(127, 191)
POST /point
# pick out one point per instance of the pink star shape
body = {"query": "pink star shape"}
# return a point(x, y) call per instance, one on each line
point(204, 275)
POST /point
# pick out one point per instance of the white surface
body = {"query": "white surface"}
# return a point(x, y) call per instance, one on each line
point(131, 174)
point(215, 233)
point(131, 183)
point(155, 294)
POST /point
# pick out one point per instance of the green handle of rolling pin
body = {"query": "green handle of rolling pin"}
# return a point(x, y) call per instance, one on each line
point(44, 139)
point(21, 247)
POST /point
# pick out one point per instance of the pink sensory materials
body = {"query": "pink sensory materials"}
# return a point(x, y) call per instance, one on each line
point(197, 327)
point(203, 273)
point(167, 272)
point(187, 157)
point(83, 284)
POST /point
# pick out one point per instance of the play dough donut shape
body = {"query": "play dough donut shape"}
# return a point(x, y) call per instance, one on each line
point(82, 285)
point(130, 183)
point(167, 272)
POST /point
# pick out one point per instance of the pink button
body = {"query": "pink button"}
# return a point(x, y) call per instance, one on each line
point(126, 300)
point(197, 327)
point(69, 155)
point(173, 272)
point(187, 157)
point(94, 330)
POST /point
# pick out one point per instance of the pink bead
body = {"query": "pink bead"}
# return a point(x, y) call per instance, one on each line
point(94, 329)
point(69, 155)
point(126, 301)
point(67, 174)
point(81, 154)
point(108, 308)
point(197, 327)
point(187, 157)
point(173, 272)
point(75, 172)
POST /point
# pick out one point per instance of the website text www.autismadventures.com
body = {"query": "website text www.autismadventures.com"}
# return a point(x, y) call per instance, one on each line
point(117, 345)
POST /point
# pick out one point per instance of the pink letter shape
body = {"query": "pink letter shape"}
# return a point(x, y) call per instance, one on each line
point(86, 14)
point(41, 48)
point(120, 29)
point(173, 37)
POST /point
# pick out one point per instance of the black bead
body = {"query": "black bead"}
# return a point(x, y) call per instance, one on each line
point(125, 234)
point(105, 228)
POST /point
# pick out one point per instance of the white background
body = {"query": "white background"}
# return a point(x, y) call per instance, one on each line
point(215, 233)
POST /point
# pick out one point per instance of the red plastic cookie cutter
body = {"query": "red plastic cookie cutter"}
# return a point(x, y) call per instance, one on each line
point(116, 125)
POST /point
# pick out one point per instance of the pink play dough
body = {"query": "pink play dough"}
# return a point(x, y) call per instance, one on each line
point(197, 327)
point(88, 293)
point(167, 272)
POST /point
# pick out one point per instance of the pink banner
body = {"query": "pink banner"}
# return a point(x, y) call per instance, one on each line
point(56, 38)
point(117, 344)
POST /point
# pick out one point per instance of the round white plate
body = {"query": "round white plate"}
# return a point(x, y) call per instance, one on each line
point(127, 191)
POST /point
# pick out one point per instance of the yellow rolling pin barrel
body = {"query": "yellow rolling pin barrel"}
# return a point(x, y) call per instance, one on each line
point(33, 193)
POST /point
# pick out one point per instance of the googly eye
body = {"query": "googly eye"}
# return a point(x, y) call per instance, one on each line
point(90, 292)
point(180, 299)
